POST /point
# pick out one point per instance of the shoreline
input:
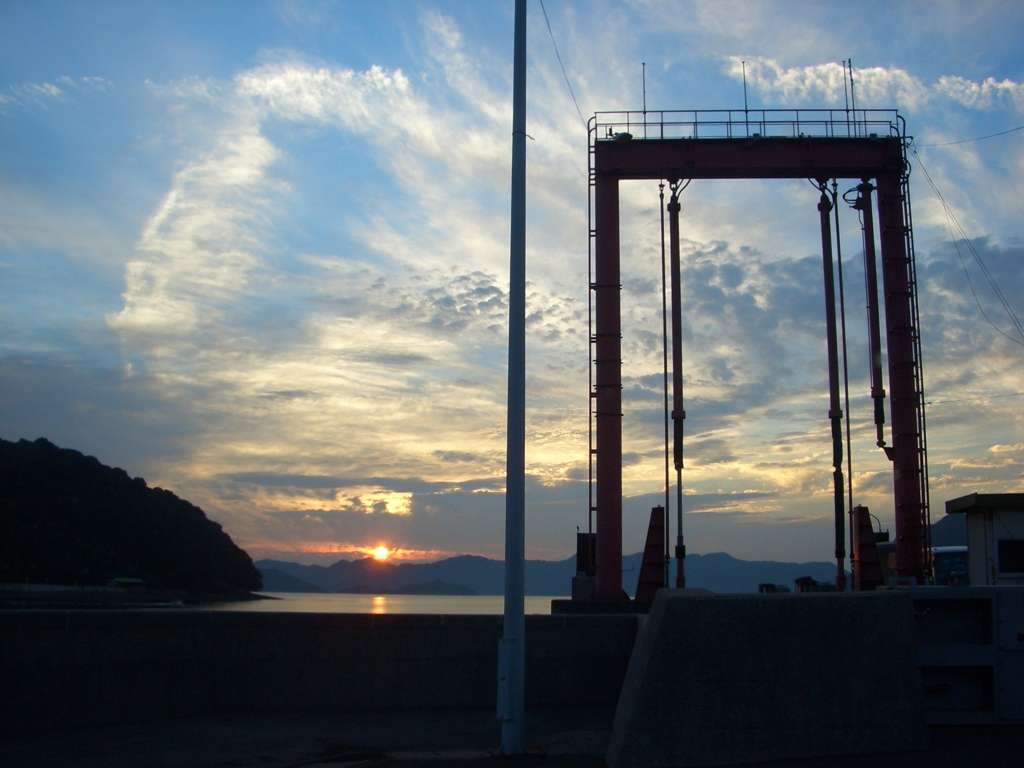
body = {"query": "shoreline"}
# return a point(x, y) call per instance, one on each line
point(70, 596)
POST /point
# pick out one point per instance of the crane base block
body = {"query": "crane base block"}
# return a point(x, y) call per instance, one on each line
point(729, 679)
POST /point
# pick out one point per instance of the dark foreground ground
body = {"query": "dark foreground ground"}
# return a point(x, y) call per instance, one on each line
point(555, 738)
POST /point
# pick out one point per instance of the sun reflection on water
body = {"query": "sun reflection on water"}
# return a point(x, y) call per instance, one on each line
point(380, 604)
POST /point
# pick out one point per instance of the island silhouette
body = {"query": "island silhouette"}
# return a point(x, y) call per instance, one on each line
point(65, 518)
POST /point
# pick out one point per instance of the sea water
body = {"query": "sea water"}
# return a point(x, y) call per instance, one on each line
point(308, 602)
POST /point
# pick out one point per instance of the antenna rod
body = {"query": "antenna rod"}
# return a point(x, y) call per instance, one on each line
point(643, 74)
point(846, 97)
point(511, 655)
point(853, 97)
point(746, 112)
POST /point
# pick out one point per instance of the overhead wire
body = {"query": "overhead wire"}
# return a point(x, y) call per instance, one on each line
point(560, 64)
point(976, 138)
point(977, 257)
point(966, 399)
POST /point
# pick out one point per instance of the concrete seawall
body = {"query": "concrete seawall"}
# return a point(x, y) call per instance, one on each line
point(61, 670)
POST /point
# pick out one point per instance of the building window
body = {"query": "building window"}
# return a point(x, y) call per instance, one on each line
point(1011, 557)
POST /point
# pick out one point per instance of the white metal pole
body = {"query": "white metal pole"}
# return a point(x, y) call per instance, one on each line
point(511, 652)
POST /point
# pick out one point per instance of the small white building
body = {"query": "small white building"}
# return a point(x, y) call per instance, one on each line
point(995, 537)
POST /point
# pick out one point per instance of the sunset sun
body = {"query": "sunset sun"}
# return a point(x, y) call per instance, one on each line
point(381, 553)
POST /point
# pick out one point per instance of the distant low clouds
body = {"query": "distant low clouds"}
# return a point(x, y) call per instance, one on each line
point(457, 457)
point(125, 422)
point(425, 522)
point(393, 484)
point(374, 501)
point(876, 87)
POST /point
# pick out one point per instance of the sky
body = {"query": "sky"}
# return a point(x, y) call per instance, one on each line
point(257, 253)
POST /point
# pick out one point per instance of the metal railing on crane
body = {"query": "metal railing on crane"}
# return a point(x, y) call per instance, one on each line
point(750, 124)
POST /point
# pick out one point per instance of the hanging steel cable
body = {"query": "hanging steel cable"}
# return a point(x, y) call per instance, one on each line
point(678, 411)
point(835, 413)
point(846, 368)
point(664, 357)
point(862, 204)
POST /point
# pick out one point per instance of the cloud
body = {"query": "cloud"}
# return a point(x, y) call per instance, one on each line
point(400, 485)
point(125, 423)
point(875, 87)
point(982, 462)
point(300, 14)
point(989, 94)
point(374, 501)
point(43, 94)
point(201, 245)
point(1015, 448)
point(205, 289)
point(207, 277)
point(382, 105)
point(192, 88)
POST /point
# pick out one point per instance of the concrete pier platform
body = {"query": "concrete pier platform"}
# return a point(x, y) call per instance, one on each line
point(197, 689)
point(63, 670)
point(461, 739)
point(731, 679)
point(554, 738)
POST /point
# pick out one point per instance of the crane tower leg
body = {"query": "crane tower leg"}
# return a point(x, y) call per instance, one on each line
point(608, 389)
point(907, 458)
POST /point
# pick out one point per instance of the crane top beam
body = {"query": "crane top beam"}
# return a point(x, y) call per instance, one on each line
point(816, 157)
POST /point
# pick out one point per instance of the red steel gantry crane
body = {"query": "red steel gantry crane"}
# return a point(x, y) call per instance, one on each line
point(864, 145)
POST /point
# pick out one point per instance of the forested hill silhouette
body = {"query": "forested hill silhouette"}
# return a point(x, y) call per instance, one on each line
point(66, 519)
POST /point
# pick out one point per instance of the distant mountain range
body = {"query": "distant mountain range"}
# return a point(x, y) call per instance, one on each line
point(718, 572)
point(950, 531)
